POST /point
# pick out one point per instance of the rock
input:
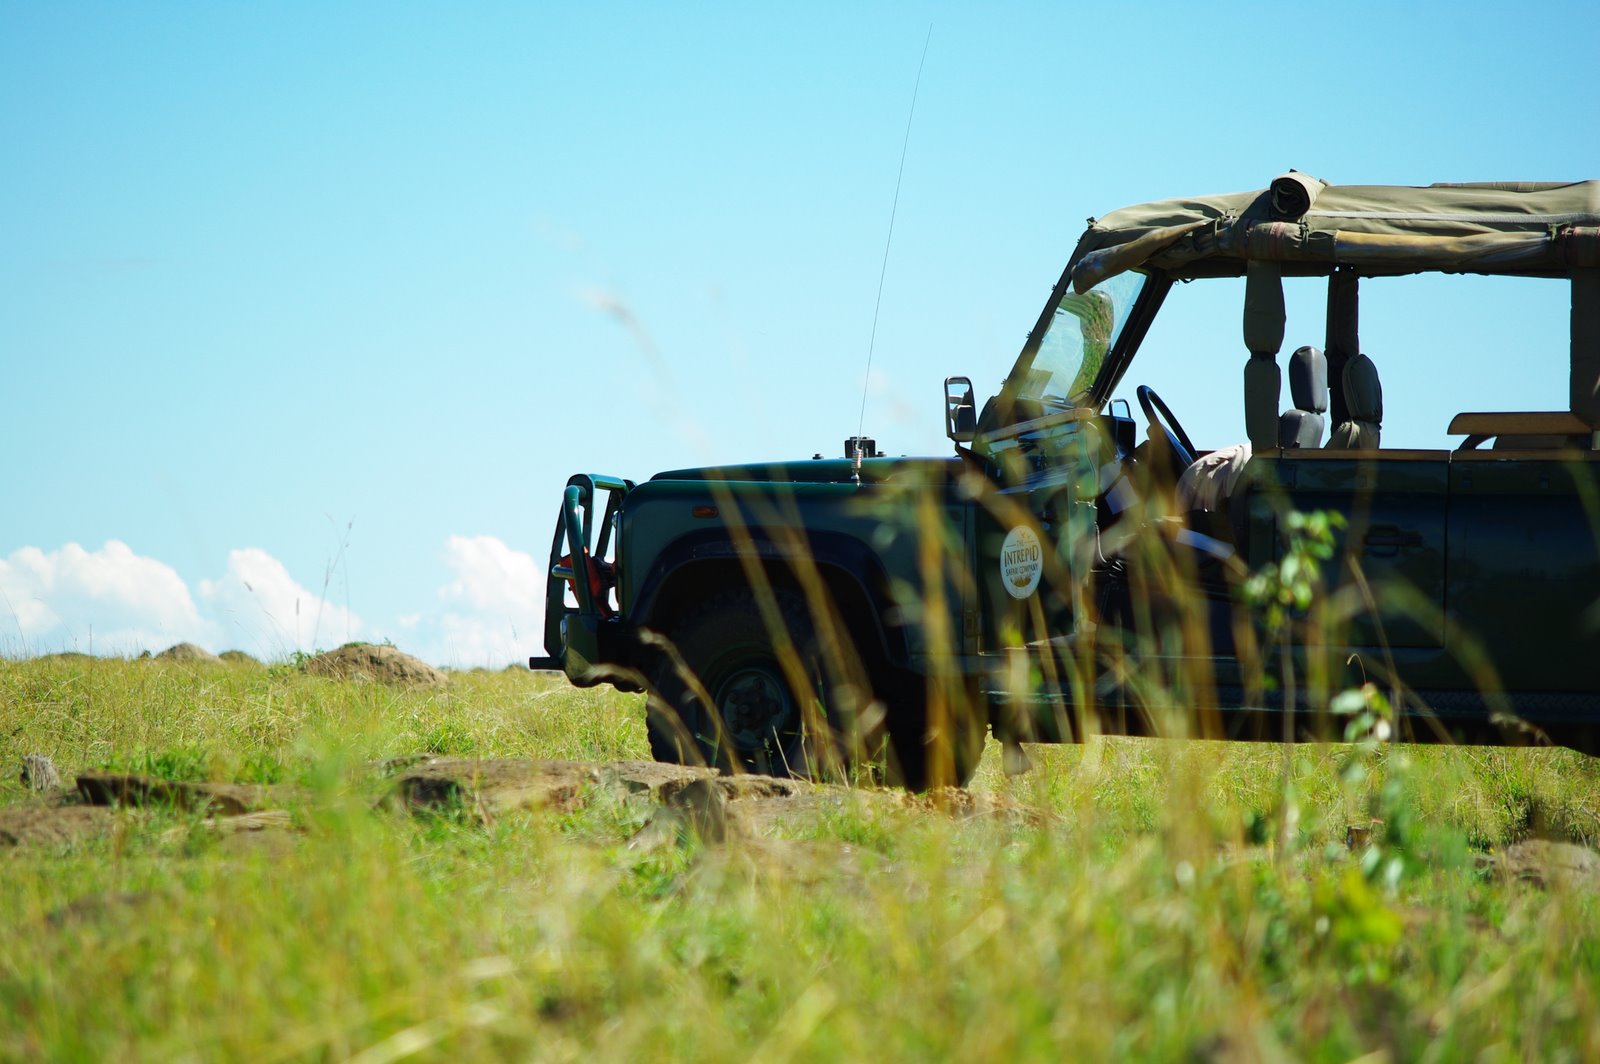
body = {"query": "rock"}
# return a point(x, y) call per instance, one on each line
point(380, 664)
point(697, 796)
point(1545, 863)
point(696, 810)
point(217, 799)
point(272, 830)
point(655, 779)
point(744, 786)
point(496, 786)
point(39, 774)
point(491, 787)
point(389, 766)
point(264, 820)
point(666, 827)
point(704, 808)
point(189, 653)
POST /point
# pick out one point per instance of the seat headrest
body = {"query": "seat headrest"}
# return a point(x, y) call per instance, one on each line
point(1363, 393)
point(1308, 379)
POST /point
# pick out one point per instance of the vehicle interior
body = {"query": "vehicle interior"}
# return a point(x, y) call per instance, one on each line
point(1426, 525)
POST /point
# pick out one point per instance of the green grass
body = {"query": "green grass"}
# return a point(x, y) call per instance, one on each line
point(1177, 901)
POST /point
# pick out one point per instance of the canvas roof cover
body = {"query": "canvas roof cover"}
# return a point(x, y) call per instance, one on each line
point(1504, 227)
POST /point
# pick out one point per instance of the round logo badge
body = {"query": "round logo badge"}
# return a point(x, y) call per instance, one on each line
point(1021, 562)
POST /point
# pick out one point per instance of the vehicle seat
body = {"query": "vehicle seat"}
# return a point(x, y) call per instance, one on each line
point(1363, 398)
point(1308, 387)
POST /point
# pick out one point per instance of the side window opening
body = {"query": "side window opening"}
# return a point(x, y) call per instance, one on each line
point(1445, 343)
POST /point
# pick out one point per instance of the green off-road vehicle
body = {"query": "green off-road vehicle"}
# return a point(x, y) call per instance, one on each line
point(1058, 576)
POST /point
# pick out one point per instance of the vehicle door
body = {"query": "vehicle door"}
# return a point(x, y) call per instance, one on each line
point(1395, 504)
point(1044, 445)
point(1524, 569)
point(1035, 530)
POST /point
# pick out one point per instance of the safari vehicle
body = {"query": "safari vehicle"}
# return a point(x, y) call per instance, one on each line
point(1058, 576)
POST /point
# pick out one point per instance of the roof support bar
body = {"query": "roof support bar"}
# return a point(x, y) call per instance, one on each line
point(1263, 336)
point(1343, 341)
point(1586, 344)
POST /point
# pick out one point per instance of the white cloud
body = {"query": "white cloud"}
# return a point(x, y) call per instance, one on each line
point(489, 611)
point(108, 600)
point(259, 607)
point(113, 601)
point(492, 577)
point(493, 606)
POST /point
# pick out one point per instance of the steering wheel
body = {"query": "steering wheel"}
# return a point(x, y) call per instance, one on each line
point(1177, 439)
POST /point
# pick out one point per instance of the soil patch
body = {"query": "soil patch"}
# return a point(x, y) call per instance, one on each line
point(688, 800)
point(498, 786)
point(41, 824)
point(701, 798)
point(379, 664)
point(232, 811)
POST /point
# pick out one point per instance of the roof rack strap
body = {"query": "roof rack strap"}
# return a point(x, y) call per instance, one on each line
point(1586, 345)
point(1274, 241)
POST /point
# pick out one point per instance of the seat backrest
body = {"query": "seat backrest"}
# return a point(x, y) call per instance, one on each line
point(1363, 398)
point(1308, 388)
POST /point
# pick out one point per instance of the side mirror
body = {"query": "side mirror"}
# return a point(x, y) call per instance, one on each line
point(960, 410)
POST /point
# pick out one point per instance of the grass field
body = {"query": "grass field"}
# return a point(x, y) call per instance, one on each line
point(1144, 900)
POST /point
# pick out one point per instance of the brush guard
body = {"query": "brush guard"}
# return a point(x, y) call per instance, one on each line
point(580, 641)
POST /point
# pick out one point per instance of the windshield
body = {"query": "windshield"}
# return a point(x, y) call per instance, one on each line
point(1081, 330)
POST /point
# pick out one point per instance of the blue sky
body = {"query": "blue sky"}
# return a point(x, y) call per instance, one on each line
point(307, 311)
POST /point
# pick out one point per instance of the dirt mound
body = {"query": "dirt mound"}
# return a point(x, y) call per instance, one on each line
point(381, 664)
point(239, 657)
point(188, 652)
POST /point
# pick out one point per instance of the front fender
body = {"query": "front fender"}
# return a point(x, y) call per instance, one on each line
point(852, 570)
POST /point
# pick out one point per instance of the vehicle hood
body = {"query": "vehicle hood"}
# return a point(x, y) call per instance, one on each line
point(826, 471)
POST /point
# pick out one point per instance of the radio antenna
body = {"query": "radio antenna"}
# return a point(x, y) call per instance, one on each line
point(883, 270)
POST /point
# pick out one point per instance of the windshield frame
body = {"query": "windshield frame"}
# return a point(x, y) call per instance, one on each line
point(1154, 292)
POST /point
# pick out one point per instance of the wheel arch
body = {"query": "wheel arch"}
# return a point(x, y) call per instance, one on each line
point(694, 568)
